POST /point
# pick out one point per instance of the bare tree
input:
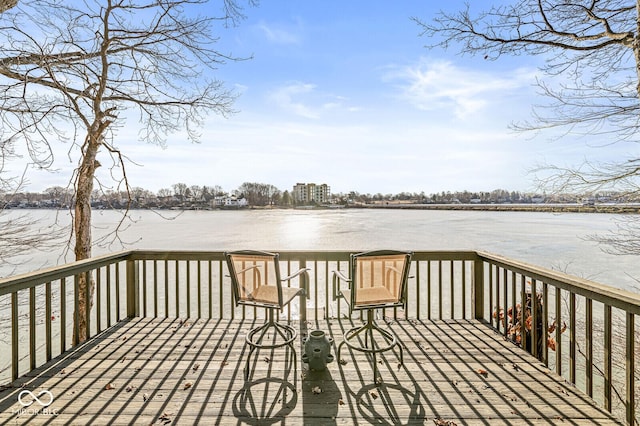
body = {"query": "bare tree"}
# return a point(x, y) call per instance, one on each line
point(592, 67)
point(20, 233)
point(164, 192)
point(180, 190)
point(258, 194)
point(70, 71)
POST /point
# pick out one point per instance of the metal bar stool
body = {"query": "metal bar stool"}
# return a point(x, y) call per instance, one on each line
point(377, 280)
point(256, 281)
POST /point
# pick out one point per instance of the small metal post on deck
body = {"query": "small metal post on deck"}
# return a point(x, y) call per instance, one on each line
point(477, 295)
point(133, 296)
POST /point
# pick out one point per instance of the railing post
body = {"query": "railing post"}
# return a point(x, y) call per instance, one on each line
point(76, 311)
point(133, 293)
point(477, 295)
point(304, 282)
point(14, 336)
point(630, 369)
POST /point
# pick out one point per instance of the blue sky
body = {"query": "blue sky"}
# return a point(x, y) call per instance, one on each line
point(345, 93)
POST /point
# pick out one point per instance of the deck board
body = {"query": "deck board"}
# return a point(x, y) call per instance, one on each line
point(169, 371)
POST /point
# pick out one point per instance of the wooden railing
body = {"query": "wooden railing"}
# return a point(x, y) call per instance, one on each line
point(583, 330)
point(39, 307)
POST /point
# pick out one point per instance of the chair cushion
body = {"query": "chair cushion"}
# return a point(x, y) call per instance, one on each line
point(269, 294)
point(371, 296)
point(265, 294)
point(288, 293)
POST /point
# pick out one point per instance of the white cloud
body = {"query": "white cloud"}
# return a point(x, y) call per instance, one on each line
point(278, 35)
point(287, 98)
point(304, 100)
point(437, 84)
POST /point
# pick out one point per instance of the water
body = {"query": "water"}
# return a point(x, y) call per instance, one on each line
point(555, 241)
point(552, 240)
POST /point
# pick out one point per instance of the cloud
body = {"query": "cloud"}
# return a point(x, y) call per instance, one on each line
point(438, 84)
point(287, 98)
point(304, 100)
point(278, 35)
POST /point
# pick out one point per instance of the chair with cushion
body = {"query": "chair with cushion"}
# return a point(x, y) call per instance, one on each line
point(256, 281)
point(377, 280)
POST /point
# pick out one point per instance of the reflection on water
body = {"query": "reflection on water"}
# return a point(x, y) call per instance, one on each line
point(299, 229)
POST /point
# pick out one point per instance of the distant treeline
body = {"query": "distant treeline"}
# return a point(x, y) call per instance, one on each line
point(183, 196)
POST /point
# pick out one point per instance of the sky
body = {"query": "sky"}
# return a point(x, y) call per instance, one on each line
point(347, 94)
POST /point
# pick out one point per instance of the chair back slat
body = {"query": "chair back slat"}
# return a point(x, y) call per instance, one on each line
point(379, 278)
point(255, 277)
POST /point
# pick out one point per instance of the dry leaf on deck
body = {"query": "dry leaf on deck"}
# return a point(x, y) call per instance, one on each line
point(109, 386)
point(443, 422)
point(165, 419)
point(187, 385)
point(482, 372)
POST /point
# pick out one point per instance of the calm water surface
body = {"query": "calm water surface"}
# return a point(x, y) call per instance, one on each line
point(552, 240)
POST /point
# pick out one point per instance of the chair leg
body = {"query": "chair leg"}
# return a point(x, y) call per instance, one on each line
point(339, 348)
point(255, 337)
point(373, 349)
point(369, 343)
point(252, 349)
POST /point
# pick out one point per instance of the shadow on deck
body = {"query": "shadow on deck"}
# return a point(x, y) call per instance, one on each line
point(169, 371)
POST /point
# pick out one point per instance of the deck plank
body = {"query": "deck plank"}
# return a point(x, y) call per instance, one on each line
point(170, 371)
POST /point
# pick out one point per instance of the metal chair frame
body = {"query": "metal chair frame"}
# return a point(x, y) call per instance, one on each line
point(256, 335)
point(371, 326)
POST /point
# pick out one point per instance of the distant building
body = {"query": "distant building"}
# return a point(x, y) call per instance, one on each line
point(308, 193)
point(229, 202)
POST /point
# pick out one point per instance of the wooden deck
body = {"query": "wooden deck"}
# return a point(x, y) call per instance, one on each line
point(166, 371)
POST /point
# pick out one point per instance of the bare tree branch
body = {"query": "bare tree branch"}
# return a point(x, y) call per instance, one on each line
point(591, 52)
point(69, 70)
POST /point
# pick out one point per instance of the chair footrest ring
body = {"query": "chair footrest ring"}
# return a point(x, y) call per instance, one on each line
point(285, 335)
point(391, 339)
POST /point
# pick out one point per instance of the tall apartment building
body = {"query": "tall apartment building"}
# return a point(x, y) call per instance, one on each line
point(307, 193)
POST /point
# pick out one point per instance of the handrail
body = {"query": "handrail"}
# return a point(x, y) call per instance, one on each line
point(617, 298)
point(443, 284)
point(31, 279)
point(531, 306)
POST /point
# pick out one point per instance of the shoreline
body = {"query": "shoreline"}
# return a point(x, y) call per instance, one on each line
point(622, 208)
point(549, 208)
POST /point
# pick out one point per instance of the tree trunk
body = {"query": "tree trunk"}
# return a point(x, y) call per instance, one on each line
point(82, 228)
point(636, 46)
